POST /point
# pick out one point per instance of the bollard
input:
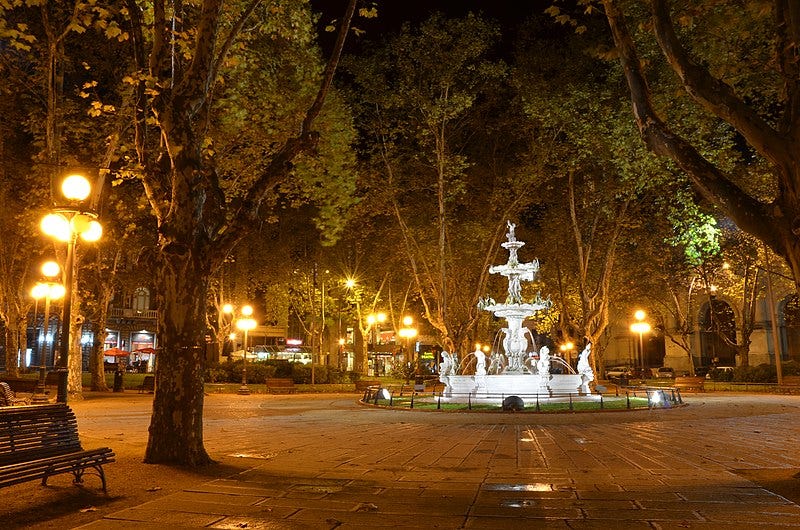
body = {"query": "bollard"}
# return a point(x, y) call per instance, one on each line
point(601, 401)
point(570, 401)
point(628, 399)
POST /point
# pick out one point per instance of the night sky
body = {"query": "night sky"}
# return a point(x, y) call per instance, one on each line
point(393, 13)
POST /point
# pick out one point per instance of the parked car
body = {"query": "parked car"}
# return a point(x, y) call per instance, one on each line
point(619, 372)
point(721, 373)
point(665, 372)
point(701, 371)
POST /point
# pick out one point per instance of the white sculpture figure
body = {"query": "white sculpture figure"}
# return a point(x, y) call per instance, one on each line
point(446, 366)
point(480, 362)
point(543, 365)
point(510, 235)
point(514, 290)
point(496, 364)
point(584, 368)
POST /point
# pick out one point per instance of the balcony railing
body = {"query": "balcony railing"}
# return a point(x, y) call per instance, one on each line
point(147, 314)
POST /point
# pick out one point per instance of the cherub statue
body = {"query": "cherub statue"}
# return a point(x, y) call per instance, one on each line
point(480, 364)
point(511, 236)
point(543, 364)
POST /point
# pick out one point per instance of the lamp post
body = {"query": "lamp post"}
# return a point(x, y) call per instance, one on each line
point(374, 320)
point(408, 333)
point(65, 224)
point(641, 327)
point(245, 323)
point(566, 351)
point(49, 290)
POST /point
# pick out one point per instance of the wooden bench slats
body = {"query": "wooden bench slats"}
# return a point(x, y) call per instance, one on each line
point(37, 442)
point(280, 384)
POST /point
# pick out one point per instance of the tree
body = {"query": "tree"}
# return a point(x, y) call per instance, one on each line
point(200, 213)
point(737, 62)
point(429, 99)
point(591, 183)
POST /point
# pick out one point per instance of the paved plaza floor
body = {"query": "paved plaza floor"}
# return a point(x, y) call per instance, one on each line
point(323, 461)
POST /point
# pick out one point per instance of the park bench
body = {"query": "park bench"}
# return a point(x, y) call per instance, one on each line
point(148, 384)
point(790, 384)
point(280, 385)
point(8, 397)
point(689, 383)
point(39, 441)
point(20, 385)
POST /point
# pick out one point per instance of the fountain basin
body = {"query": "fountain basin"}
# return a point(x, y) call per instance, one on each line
point(466, 387)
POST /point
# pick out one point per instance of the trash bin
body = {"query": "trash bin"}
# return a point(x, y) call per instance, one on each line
point(419, 384)
point(118, 381)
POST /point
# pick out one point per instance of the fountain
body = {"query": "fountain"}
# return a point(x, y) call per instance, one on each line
point(515, 367)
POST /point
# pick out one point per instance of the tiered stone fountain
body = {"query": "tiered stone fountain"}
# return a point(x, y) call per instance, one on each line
point(515, 366)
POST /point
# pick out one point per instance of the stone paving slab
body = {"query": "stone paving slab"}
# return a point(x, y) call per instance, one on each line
point(329, 463)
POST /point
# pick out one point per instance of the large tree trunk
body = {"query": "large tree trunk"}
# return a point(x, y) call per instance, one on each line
point(75, 359)
point(96, 364)
point(12, 345)
point(176, 427)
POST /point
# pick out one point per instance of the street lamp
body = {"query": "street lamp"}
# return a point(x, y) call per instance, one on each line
point(566, 350)
point(641, 327)
point(408, 333)
point(49, 290)
point(374, 320)
point(245, 324)
point(66, 224)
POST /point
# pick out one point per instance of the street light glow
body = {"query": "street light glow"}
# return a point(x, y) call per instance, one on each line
point(247, 310)
point(93, 232)
point(407, 321)
point(246, 324)
point(227, 308)
point(639, 315)
point(76, 187)
point(50, 269)
point(57, 226)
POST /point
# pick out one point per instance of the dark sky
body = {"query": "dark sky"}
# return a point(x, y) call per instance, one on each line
point(392, 13)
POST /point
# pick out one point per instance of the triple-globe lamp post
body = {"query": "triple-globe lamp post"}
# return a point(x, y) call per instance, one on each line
point(66, 223)
point(48, 290)
point(641, 327)
point(245, 323)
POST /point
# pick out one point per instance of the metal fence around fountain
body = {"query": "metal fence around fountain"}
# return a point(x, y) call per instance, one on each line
point(649, 397)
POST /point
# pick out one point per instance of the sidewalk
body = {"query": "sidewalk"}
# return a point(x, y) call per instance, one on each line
point(322, 461)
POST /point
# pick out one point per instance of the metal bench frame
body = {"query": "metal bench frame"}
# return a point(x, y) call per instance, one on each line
point(39, 441)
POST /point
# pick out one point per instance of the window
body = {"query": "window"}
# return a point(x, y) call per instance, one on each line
point(141, 299)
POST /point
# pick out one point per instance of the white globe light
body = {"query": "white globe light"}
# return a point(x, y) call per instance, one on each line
point(76, 187)
point(57, 226)
point(57, 291)
point(39, 291)
point(93, 232)
point(50, 269)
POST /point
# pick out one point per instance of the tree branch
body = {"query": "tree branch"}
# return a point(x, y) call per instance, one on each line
point(715, 95)
point(749, 214)
point(280, 165)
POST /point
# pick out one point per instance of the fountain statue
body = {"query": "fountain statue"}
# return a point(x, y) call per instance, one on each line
point(514, 366)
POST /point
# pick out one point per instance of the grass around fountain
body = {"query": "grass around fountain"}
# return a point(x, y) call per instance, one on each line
point(607, 403)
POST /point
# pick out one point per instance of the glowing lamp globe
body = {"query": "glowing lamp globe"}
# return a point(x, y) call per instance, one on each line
point(76, 187)
point(50, 269)
point(93, 232)
point(57, 226)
